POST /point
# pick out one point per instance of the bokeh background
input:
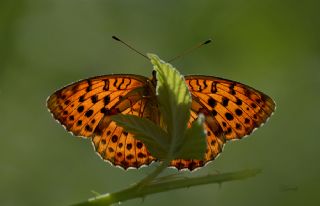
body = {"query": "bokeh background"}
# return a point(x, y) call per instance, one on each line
point(270, 45)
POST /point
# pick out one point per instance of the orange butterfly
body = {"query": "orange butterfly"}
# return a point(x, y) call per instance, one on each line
point(232, 110)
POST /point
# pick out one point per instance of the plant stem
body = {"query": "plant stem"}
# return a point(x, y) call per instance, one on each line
point(145, 181)
point(137, 191)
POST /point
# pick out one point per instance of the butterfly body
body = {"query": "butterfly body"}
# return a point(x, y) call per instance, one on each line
point(232, 110)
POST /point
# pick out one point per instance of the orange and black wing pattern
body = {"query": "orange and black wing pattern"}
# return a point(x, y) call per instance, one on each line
point(238, 108)
point(85, 107)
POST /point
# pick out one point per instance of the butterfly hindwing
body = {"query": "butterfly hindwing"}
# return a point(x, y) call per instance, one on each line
point(120, 147)
point(215, 138)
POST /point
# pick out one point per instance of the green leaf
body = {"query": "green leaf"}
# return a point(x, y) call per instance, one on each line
point(194, 143)
point(174, 100)
point(153, 136)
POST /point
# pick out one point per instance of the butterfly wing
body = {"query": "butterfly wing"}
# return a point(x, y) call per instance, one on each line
point(84, 108)
point(238, 108)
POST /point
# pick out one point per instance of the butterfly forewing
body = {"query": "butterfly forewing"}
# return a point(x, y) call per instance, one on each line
point(238, 108)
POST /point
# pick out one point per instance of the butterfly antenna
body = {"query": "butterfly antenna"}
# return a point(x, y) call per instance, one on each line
point(190, 50)
point(130, 47)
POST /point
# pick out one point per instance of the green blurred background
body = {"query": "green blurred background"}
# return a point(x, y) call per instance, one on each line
point(270, 45)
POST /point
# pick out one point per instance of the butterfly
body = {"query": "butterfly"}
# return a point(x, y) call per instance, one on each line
point(232, 110)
